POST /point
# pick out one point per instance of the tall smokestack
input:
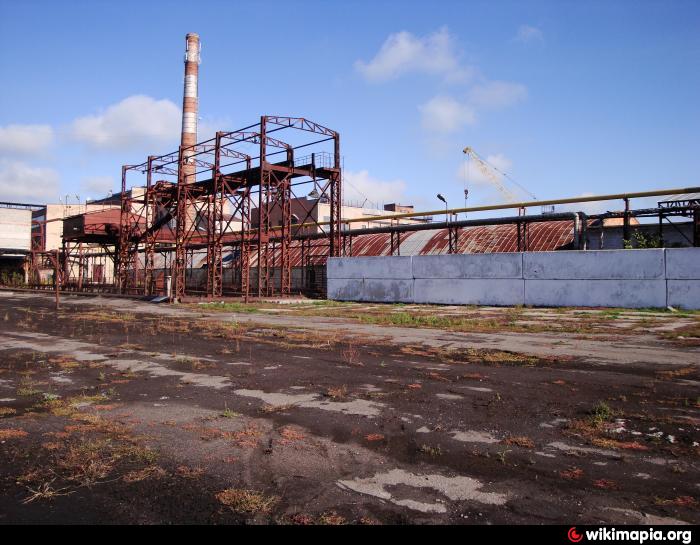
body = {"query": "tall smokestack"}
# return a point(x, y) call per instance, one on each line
point(190, 101)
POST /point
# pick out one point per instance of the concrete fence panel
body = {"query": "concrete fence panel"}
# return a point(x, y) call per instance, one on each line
point(594, 265)
point(499, 265)
point(595, 293)
point(388, 267)
point(599, 278)
point(384, 290)
point(683, 274)
point(683, 263)
point(345, 289)
point(469, 291)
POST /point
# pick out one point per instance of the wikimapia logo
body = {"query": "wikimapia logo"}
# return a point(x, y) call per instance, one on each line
point(636, 536)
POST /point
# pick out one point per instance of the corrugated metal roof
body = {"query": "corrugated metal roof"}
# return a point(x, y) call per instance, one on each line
point(541, 237)
point(683, 197)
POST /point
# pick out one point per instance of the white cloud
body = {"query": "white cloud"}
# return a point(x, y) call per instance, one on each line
point(494, 95)
point(98, 186)
point(446, 114)
point(527, 33)
point(136, 122)
point(436, 54)
point(207, 127)
point(20, 182)
point(360, 187)
point(404, 53)
point(25, 139)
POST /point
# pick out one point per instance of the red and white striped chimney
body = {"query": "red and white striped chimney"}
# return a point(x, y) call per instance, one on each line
point(190, 101)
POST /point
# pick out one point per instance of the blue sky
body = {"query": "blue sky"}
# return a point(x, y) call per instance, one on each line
point(569, 98)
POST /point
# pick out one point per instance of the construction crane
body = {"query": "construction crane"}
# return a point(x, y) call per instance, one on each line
point(492, 172)
point(488, 171)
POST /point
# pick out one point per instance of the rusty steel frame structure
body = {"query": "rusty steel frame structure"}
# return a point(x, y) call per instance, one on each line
point(220, 182)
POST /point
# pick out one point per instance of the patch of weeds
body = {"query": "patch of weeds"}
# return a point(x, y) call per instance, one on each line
point(675, 373)
point(336, 392)
point(190, 472)
point(476, 355)
point(520, 441)
point(689, 333)
point(228, 413)
point(290, 434)
point(611, 314)
point(149, 472)
point(605, 442)
point(271, 409)
point(300, 519)
point(248, 308)
point(192, 363)
point(27, 389)
point(331, 518)
point(10, 433)
point(600, 414)
point(90, 460)
point(64, 362)
point(606, 484)
point(130, 347)
point(432, 451)
point(509, 358)
point(45, 491)
point(680, 501)
point(571, 474)
point(502, 455)
point(350, 355)
point(241, 500)
point(128, 373)
point(595, 428)
point(7, 411)
point(248, 437)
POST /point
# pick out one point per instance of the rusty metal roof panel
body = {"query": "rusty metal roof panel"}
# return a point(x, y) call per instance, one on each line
point(541, 237)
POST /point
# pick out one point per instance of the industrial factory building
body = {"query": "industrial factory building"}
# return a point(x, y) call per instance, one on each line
point(258, 211)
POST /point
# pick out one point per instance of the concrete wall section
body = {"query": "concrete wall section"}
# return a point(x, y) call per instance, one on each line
point(683, 277)
point(371, 289)
point(683, 293)
point(607, 278)
point(598, 278)
point(498, 265)
point(594, 265)
point(371, 267)
point(345, 289)
point(470, 291)
point(388, 290)
point(596, 293)
point(683, 263)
